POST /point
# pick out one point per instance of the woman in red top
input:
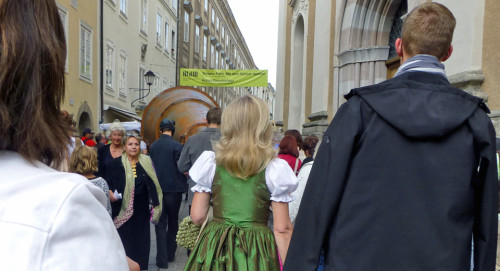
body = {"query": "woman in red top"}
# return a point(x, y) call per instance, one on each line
point(290, 153)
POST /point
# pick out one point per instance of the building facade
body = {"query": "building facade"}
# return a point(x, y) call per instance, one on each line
point(138, 36)
point(209, 38)
point(80, 21)
point(327, 47)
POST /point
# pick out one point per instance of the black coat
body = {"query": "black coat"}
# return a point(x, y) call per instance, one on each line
point(405, 175)
point(165, 153)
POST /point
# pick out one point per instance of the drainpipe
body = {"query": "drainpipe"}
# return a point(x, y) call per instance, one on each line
point(102, 61)
point(177, 70)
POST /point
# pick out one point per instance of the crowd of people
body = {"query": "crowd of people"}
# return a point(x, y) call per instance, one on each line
point(404, 178)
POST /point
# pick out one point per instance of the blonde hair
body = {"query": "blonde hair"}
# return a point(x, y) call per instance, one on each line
point(428, 29)
point(83, 160)
point(245, 146)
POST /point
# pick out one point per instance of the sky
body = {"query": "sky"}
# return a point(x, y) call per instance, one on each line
point(258, 22)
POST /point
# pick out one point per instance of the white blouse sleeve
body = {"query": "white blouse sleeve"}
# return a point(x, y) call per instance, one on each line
point(280, 180)
point(202, 172)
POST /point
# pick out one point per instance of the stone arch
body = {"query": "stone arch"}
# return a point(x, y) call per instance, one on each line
point(84, 118)
point(296, 109)
point(363, 44)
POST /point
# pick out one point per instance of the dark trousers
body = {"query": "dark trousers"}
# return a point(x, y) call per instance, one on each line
point(165, 239)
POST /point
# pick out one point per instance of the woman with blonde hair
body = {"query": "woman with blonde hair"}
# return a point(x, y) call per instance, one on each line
point(244, 179)
point(111, 151)
point(83, 161)
point(133, 177)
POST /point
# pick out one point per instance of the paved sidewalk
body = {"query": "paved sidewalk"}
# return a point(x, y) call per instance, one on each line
point(180, 255)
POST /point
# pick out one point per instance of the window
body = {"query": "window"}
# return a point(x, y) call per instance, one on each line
point(212, 58)
point(206, 5)
point(216, 60)
point(173, 44)
point(217, 24)
point(197, 40)
point(123, 74)
point(186, 26)
point(144, 19)
point(85, 52)
point(110, 62)
point(165, 82)
point(63, 13)
point(205, 44)
point(159, 24)
point(213, 15)
point(166, 36)
point(123, 6)
point(222, 31)
point(174, 4)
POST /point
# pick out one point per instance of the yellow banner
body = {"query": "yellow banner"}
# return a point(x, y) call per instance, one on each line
point(223, 78)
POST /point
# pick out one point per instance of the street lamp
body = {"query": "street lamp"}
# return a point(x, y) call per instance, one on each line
point(149, 76)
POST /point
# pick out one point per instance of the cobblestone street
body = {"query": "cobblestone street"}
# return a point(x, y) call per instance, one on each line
point(180, 255)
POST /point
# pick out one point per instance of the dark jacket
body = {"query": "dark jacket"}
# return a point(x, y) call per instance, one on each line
point(405, 175)
point(165, 153)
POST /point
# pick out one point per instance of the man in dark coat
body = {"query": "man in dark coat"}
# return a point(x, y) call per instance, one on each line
point(165, 153)
point(405, 178)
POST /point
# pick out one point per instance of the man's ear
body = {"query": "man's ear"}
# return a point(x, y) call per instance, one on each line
point(448, 54)
point(399, 47)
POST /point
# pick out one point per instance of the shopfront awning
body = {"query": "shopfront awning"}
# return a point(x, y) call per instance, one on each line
point(128, 115)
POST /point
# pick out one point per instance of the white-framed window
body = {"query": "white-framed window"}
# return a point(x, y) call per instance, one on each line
point(173, 48)
point(159, 24)
point(222, 33)
point(123, 6)
point(156, 85)
point(144, 16)
point(109, 65)
point(213, 15)
point(206, 5)
point(63, 14)
point(205, 45)
point(186, 26)
point(166, 36)
point(216, 60)
point(165, 83)
point(212, 56)
point(174, 4)
point(122, 74)
point(217, 22)
point(197, 39)
point(85, 52)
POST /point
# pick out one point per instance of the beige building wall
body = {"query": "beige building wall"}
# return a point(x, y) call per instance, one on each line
point(137, 40)
point(350, 47)
point(81, 99)
point(220, 38)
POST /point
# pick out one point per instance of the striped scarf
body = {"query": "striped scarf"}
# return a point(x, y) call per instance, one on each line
point(422, 63)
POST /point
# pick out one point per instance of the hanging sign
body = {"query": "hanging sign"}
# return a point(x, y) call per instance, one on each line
point(223, 78)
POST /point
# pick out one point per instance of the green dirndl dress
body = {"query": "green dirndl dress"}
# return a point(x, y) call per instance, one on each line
point(238, 238)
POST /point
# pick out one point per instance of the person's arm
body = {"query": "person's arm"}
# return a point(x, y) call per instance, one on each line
point(92, 232)
point(184, 162)
point(282, 227)
point(322, 194)
point(200, 206)
point(486, 196)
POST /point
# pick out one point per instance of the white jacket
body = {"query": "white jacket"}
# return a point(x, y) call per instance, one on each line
point(53, 221)
point(293, 207)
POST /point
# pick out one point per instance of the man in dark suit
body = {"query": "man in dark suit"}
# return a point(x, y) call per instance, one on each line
point(406, 177)
point(165, 153)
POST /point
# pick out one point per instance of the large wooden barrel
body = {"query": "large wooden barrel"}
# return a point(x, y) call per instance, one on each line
point(186, 106)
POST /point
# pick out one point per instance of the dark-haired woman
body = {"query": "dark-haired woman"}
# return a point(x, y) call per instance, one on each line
point(289, 152)
point(48, 219)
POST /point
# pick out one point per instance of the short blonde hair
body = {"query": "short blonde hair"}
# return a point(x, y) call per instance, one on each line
point(428, 29)
point(245, 146)
point(83, 160)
